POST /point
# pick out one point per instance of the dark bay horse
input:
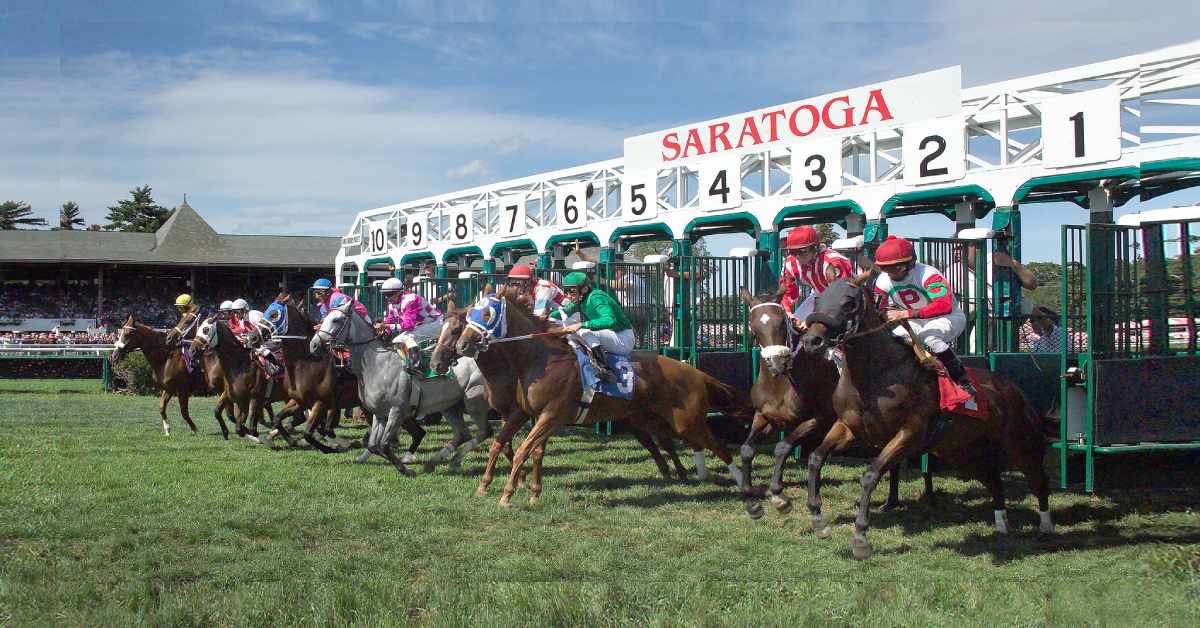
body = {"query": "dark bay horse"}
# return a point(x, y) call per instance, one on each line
point(889, 400)
point(793, 393)
point(167, 363)
point(245, 384)
point(668, 396)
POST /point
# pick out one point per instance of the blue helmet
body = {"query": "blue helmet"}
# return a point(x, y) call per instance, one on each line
point(323, 283)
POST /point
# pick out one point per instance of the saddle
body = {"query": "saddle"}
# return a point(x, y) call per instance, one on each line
point(952, 398)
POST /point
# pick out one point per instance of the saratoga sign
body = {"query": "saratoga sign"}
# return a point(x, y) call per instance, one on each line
point(917, 97)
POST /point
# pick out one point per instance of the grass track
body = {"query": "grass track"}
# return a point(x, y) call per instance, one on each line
point(104, 521)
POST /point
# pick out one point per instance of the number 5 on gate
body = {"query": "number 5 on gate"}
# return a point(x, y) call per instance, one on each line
point(639, 196)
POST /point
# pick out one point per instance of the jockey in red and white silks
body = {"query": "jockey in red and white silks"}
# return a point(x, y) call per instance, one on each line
point(809, 263)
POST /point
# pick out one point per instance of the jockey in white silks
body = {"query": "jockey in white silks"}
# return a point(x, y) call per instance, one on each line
point(413, 320)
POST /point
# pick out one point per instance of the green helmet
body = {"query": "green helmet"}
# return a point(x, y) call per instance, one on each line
point(575, 279)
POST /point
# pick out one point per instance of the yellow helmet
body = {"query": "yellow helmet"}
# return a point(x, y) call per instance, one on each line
point(184, 302)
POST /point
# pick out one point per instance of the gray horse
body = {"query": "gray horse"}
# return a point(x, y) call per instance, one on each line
point(390, 392)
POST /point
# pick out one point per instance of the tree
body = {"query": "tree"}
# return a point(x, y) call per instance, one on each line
point(94, 227)
point(68, 216)
point(14, 214)
point(826, 232)
point(140, 213)
point(640, 250)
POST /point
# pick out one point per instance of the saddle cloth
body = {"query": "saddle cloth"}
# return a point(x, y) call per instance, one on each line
point(619, 364)
point(956, 400)
point(272, 371)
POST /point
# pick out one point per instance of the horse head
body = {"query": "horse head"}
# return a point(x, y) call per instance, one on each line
point(772, 330)
point(444, 355)
point(342, 327)
point(206, 334)
point(485, 322)
point(839, 313)
point(127, 339)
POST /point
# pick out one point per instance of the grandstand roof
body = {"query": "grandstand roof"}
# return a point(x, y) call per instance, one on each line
point(185, 239)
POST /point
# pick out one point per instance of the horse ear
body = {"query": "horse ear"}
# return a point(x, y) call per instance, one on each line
point(488, 289)
point(450, 306)
point(862, 278)
point(747, 298)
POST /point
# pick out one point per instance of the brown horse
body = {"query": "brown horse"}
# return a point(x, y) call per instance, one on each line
point(170, 372)
point(887, 399)
point(501, 386)
point(668, 397)
point(245, 384)
point(793, 393)
point(185, 332)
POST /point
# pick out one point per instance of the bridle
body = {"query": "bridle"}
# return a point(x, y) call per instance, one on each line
point(339, 336)
point(770, 352)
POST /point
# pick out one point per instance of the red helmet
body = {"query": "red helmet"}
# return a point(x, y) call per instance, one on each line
point(520, 271)
point(802, 237)
point(894, 250)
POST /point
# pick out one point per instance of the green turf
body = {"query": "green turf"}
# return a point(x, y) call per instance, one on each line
point(104, 521)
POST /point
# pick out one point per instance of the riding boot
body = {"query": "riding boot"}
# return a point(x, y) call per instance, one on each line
point(600, 357)
point(956, 370)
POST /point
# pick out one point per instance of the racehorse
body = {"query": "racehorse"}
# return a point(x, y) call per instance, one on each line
point(314, 383)
point(668, 396)
point(388, 389)
point(245, 384)
point(889, 400)
point(167, 364)
point(501, 388)
point(793, 393)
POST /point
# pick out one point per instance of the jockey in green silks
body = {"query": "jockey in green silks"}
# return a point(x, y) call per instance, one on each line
point(603, 325)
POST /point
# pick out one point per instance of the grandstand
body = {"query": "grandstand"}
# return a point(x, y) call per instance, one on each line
point(71, 283)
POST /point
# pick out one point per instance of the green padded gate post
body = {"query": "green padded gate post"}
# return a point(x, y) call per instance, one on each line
point(684, 335)
point(606, 271)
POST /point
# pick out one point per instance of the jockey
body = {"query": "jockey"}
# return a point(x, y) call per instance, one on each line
point(328, 298)
point(811, 263)
point(410, 317)
point(544, 293)
point(186, 305)
point(921, 295)
point(268, 346)
point(224, 310)
point(604, 327)
point(237, 318)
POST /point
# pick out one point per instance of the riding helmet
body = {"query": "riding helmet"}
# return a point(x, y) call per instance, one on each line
point(802, 237)
point(520, 271)
point(894, 250)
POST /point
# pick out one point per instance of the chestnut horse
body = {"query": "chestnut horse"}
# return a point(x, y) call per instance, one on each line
point(167, 364)
point(793, 393)
point(887, 399)
point(245, 384)
point(500, 385)
point(668, 396)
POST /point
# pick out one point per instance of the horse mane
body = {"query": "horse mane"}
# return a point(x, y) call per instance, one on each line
point(525, 305)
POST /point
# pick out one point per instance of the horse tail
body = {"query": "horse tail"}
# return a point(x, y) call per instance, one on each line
point(728, 399)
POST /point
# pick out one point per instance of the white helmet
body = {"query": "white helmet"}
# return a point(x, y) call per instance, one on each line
point(226, 305)
point(241, 305)
point(391, 284)
point(254, 317)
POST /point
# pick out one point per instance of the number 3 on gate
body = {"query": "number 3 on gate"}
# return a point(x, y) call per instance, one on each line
point(817, 168)
point(639, 196)
point(720, 183)
point(934, 151)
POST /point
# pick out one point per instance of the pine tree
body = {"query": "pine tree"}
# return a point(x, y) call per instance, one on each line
point(15, 214)
point(68, 216)
point(140, 213)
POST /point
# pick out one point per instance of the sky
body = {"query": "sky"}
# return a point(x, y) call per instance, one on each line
point(289, 116)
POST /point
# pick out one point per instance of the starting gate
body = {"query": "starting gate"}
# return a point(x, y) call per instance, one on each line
point(712, 317)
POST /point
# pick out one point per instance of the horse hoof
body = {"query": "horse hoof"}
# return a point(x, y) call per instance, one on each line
point(782, 504)
point(533, 500)
point(481, 492)
point(408, 459)
point(454, 468)
point(860, 547)
point(888, 505)
point(363, 458)
point(755, 510)
point(504, 502)
point(408, 473)
point(821, 527)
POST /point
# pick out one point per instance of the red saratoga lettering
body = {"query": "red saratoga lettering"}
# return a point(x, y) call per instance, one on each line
point(875, 102)
point(749, 129)
point(772, 120)
point(717, 132)
point(693, 141)
point(848, 113)
point(671, 141)
point(812, 112)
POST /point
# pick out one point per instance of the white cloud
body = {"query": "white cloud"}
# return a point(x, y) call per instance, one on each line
point(473, 168)
point(269, 35)
point(307, 10)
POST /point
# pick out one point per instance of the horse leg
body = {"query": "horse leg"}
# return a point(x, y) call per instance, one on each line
point(162, 411)
point(837, 439)
point(483, 431)
point(222, 404)
point(748, 450)
point(648, 442)
point(893, 452)
point(316, 414)
point(1039, 483)
point(893, 498)
point(667, 443)
point(187, 416)
point(417, 432)
point(783, 450)
point(540, 431)
point(535, 476)
point(387, 437)
point(461, 435)
point(692, 426)
point(371, 442)
point(503, 443)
